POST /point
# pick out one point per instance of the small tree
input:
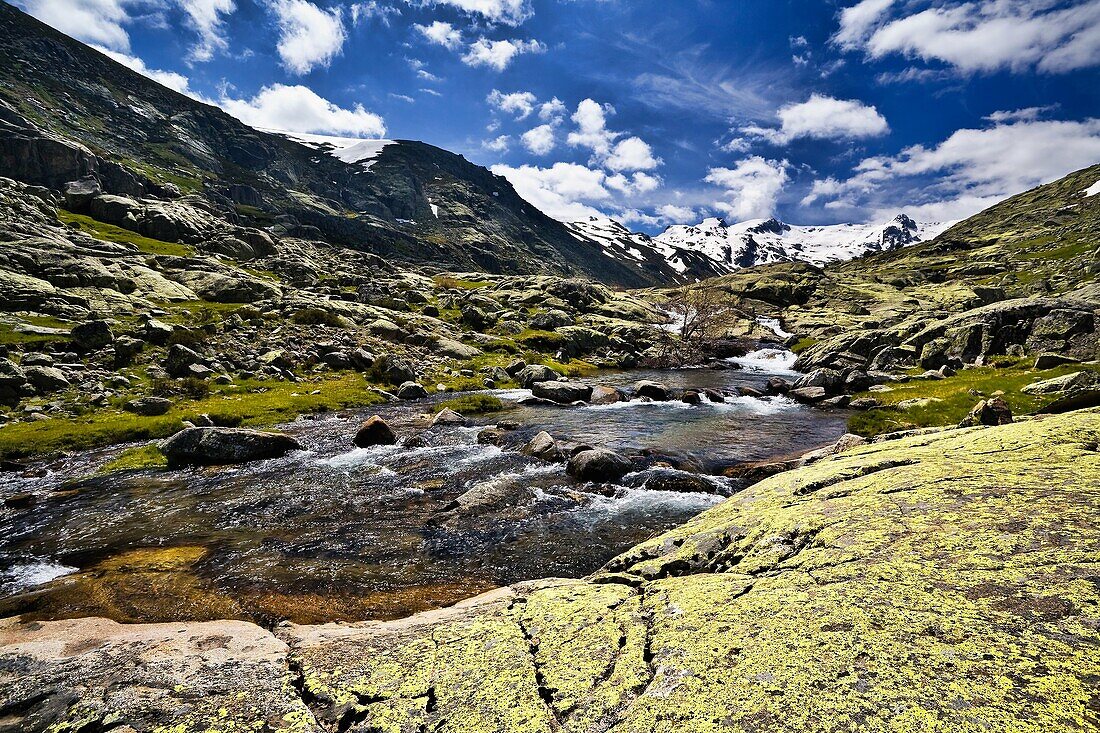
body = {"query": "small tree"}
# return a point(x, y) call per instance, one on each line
point(698, 312)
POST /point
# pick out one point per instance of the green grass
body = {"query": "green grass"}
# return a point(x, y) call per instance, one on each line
point(248, 403)
point(9, 336)
point(957, 396)
point(474, 404)
point(447, 281)
point(136, 459)
point(111, 233)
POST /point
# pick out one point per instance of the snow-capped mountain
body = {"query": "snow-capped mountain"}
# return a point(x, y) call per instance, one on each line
point(714, 247)
point(347, 149)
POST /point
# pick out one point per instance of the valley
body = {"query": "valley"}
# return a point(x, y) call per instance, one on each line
point(301, 432)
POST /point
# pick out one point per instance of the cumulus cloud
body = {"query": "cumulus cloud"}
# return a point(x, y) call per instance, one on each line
point(498, 144)
point(98, 22)
point(979, 36)
point(310, 37)
point(673, 214)
point(498, 54)
point(300, 109)
point(441, 34)
point(1015, 115)
point(563, 191)
point(539, 140)
point(969, 170)
point(752, 187)
point(592, 132)
point(553, 111)
point(509, 12)
point(823, 118)
point(632, 154)
point(518, 104)
point(205, 17)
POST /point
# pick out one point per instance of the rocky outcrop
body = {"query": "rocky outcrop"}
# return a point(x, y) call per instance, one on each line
point(938, 581)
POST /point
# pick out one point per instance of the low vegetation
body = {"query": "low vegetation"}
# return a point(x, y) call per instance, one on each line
point(136, 459)
point(947, 401)
point(112, 233)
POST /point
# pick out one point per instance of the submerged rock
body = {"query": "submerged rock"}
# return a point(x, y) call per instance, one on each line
point(221, 446)
point(374, 431)
point(447, 416)
point(652, 390)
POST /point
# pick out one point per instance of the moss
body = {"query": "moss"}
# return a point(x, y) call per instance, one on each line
point(802, 344)
point(135, 459)
point(540, 340)
point(951, 399)
point(250, 403)
point(112, 233)
point(473, 404)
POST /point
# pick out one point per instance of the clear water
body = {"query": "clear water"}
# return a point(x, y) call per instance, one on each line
point(337, 532)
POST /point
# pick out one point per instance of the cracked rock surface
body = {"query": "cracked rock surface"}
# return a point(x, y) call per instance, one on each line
point(940, 582)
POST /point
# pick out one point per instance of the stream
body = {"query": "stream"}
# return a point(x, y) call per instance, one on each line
point(342, 533)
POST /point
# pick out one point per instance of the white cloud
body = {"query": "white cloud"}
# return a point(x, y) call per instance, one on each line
point(309, 36)
point(373, 9)
point(1016, 115)
point(674, 214)
point(968, 170)
point(205, 18)
point(553, 111)
point(632, 154)
point(823, 118)
point(170, 79)
point(978, 36)
point(300, 109)
point(638, 183)
point(498, 54)
point(498, 144)
point(518, 104)
point(441, 34)
point(539, 140)
point(592, 132)
point(97, 22)
point(564, 191)
point(510, 12)
point(752, 186)
point(859, 21)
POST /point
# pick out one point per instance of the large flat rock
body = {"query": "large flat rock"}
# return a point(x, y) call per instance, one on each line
point(943, 582)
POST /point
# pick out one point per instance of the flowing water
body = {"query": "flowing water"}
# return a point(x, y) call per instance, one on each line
point(337, 532)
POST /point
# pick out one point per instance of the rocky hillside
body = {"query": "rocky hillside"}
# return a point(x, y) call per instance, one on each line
point(935, 582)
point(68, 113)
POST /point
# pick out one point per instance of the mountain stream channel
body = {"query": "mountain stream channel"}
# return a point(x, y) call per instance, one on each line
point(335, 532)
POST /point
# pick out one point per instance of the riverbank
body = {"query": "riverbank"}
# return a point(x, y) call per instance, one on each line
point(878, 579)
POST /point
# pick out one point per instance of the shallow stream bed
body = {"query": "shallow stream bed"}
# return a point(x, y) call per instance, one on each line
point(340, 533)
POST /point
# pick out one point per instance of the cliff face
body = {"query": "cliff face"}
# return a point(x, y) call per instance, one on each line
point(937, 582)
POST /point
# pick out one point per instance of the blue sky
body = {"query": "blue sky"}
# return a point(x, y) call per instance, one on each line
point(657, 112)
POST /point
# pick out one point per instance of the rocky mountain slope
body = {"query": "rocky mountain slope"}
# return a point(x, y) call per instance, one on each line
point(714, 247)
point(67, 112)
point(934, 582)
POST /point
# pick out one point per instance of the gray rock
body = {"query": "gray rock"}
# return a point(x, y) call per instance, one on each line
point(515, 367)
point(544, 447)
point(534, 373)
point(221, 446)
point(671, 479)
point(809, 395)
point(1051, 360)
point(563, 393)
point(411, 391)
point(179, 360)
point(361, 359)
point(46, 379)
point(994, 411)
point(447, 416)
point(92, 335)
point(148, 406)
point(605, 396)
point(598, 465)
point(653, 390)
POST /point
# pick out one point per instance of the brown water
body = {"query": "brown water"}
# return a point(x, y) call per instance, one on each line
point(336, 532)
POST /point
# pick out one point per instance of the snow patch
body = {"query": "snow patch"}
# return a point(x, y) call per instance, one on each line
point(348, 149)
point(1092, 190)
